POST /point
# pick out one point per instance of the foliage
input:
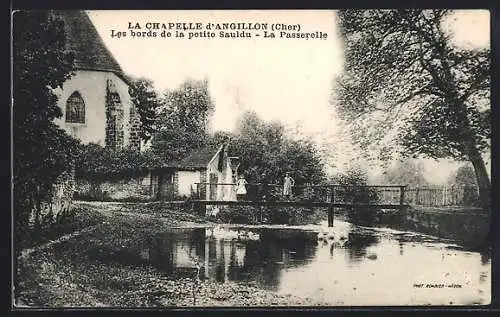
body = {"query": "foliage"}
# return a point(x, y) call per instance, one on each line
point(408, 87)
point(220, 137)
point(42, 151)
point(99, 163)
point(183, 119)
point(406, 172)
point(147, 102)
point(464, 175)
point(354, 189)
point(238, 214)
point(271, 215)
point(266, 153)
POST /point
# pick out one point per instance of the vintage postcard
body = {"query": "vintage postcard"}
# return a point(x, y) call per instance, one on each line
point(259, 158)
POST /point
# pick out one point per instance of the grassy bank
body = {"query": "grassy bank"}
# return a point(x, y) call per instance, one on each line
point(73, 273)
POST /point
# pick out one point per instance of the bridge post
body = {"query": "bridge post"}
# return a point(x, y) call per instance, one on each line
point(402, 195)
point(416, 195)
point(330, 207)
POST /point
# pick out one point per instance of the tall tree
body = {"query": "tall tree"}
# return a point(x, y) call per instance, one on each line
point(266, 153)
point(408, 85)
point(220, 137)
point(464, 175)
point(183, 120)
point(146, 101)
point(42, 151)
point(406, 172)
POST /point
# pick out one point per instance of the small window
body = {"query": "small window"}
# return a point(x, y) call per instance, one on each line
point(75, 108)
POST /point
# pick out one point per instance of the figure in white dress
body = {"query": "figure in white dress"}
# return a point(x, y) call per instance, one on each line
point(241, 189)
point(288, 183)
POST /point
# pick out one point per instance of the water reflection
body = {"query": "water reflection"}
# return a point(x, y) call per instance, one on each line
point(357, 244)
point(261, 261)
point(352, 266)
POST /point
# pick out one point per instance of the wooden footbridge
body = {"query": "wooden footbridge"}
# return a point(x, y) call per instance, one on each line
point(328, 196)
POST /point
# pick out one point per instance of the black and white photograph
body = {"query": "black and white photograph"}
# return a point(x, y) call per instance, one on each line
point(251, 158)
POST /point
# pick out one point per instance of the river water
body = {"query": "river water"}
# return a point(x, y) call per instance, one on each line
point(350, 265)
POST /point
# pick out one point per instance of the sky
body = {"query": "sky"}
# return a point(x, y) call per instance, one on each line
point(283, 79)
point(289, 80)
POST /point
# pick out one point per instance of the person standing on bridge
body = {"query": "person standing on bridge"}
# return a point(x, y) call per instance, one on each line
point(288, 183)
point(241, 189)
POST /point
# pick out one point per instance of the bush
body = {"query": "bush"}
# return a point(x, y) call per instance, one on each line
point(354, 189)
point(99, 196)
point(99, 163)
point(239, 214)
point(271, 215)
point(471, 196)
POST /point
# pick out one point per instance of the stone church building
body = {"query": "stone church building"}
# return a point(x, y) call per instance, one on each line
point(95, 102)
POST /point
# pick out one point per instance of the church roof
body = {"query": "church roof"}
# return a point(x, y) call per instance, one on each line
point(83, 39)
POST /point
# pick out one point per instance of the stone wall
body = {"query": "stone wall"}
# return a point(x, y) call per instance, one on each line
point(135, 126)
point(466, 226)
point(114, 117)
point(135, 189)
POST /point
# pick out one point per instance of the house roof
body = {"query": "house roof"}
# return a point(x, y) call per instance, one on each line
point(196, 159)
point(83, 39)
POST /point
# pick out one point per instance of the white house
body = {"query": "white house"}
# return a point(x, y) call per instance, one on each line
point(207, 173)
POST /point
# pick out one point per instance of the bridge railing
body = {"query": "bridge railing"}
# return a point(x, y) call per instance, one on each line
point(436, 196)
point(337, 193)
point(369, 194)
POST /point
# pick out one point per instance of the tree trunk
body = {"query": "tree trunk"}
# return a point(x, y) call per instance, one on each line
point(482, 178)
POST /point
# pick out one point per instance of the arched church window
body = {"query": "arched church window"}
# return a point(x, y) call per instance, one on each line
point(75, 108)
